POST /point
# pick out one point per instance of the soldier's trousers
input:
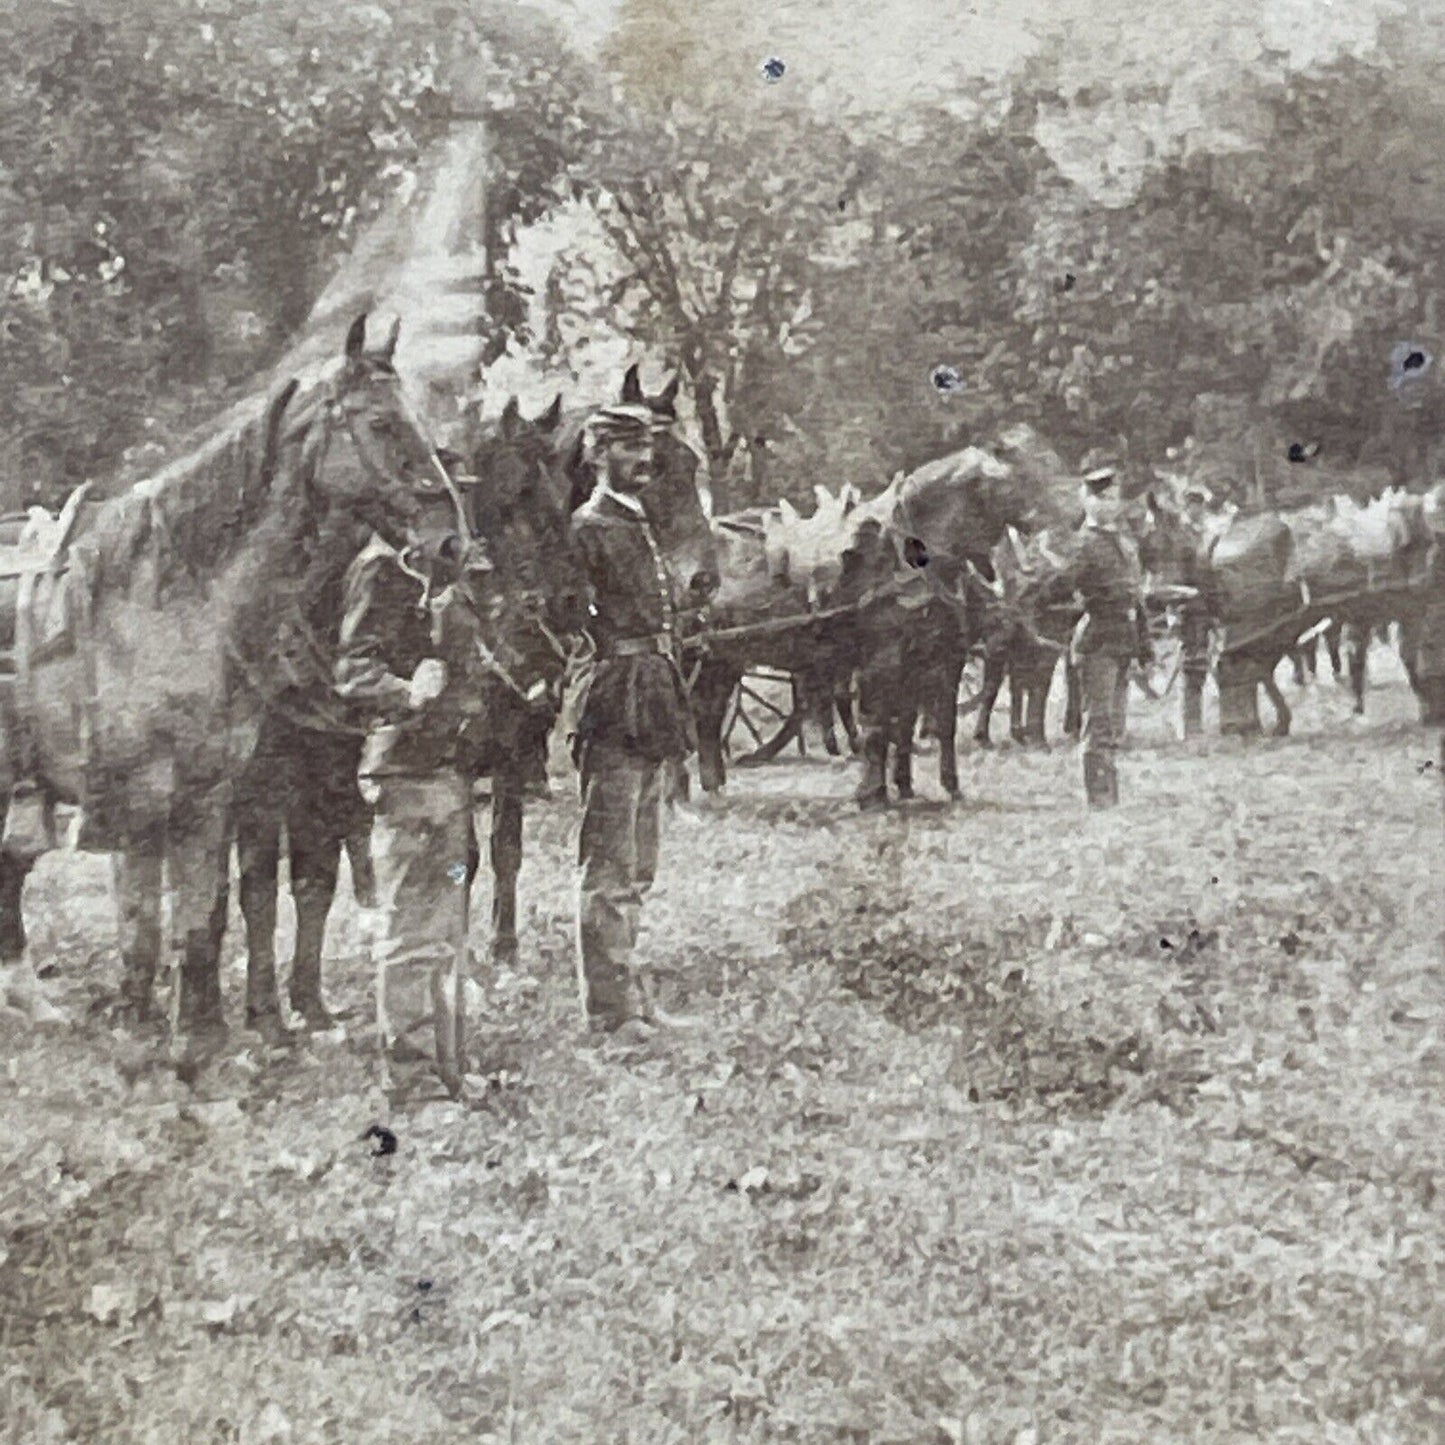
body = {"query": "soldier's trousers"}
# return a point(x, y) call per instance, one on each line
point(1104, 683)
point(418, 928)
point(1194, 640)
point(617, 848)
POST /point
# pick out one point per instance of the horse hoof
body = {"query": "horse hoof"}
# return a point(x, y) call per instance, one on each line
point(270, 1026)
point(316, 1018)
point(197, 1045)
point(873, 802)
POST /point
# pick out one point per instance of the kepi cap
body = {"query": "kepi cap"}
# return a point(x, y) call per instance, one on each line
point(622, 422)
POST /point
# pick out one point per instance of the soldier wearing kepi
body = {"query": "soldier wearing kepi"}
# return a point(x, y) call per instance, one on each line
point(1196, 613)
point(408, 652)
point(1110, 635)
point(631, 717)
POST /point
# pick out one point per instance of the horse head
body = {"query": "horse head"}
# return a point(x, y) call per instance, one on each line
point(399, 487)
point(518, 504)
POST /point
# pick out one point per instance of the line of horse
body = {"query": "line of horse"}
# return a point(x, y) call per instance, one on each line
point(985, 533)
point(173, 646)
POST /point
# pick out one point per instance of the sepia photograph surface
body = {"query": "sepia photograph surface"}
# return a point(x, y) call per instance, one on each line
point(722, 723)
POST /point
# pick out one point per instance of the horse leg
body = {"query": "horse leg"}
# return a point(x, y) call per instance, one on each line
point(952, 675)
point(13, 872)
point(1282, 715)
point(1332, 646)
point(819, 692)
point(136, 877)
point(258, 853)
point(1017, 699)
point(19, 985)
point(1355, 645)
point(315, 849)
point(506, 859)
point(1409, 644)
point(1037, 692)
point(357, 843)
point(995, 670)
point(712, 693)
point(1073, 701)
point(901, 732)
point(843, 704)
point(199, 855)
point(1300, 659)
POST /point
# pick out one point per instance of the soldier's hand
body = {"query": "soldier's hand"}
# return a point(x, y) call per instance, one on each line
point(427, 681)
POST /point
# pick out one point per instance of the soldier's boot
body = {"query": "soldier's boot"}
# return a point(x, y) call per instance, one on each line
point(421, 1020)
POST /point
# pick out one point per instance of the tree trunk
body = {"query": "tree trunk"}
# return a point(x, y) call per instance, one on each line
point(704, 390)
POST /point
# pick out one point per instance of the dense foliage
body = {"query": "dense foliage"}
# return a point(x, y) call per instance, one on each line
point(177, 178)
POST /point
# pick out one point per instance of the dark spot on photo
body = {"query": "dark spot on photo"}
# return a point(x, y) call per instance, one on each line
point(946, 379)
point(773, 70)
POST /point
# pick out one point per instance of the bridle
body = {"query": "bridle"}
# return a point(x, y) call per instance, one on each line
point(311, 674)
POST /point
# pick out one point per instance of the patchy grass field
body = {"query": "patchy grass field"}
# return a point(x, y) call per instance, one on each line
point(1009, 1124)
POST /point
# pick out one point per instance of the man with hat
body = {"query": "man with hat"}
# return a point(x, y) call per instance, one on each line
point(408, 652)
point(1196, 613)
point(632, 723)
point(1111, 634)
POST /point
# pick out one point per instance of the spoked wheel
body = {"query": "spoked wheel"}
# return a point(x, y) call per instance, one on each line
point(766, 712)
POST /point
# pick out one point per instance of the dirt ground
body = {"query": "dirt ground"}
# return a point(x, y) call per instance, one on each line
point(1008, 1124)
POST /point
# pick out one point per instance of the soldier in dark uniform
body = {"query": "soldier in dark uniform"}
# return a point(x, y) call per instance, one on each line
point(1196, 613)
point(411, 659)
point(632, 723)
point(1429, 659)
point(1111, 634)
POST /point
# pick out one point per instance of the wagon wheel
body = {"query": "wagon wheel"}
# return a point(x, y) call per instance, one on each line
point(1166, 657)
point(765, 708)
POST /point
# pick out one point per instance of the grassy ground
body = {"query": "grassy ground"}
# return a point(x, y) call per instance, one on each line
point(1009, 1124)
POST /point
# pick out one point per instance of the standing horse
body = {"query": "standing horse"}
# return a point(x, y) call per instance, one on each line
point(303, 783)
point(910, 560)
point(174, 607)
point(526, 478)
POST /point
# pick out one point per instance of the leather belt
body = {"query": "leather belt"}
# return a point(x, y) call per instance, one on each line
point(659, 644)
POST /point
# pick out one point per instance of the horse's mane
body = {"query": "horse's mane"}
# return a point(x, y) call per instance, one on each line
point(193, 515)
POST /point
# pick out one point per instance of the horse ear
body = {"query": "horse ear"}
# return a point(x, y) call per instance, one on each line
point(787, 511)
point(511, 415)
point(667, 397)
point(356, 338)
point(631, 386)
point(550, 418)
point(388, 348)
point(274, 413)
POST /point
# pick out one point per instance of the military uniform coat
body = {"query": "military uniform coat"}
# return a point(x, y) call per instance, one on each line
point(630, 695)
point(386, 630)
point(1105, 572)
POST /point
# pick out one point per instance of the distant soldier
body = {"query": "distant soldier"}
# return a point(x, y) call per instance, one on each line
point(1196, 613)
point(1111, 634)
point(632, 721)
point(1429, 659)
point(410, 662)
